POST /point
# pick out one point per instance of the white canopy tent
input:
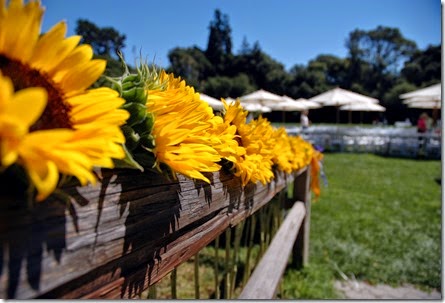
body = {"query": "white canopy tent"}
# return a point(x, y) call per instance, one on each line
point(424, 104)
point(427, 98)
point(250, 107)
point(430, 93)
point(287, 105)
point(262, 97)
point(362, 107)
point(213, 102)
point(308, 104)
point(338, 97)
point(257, 108)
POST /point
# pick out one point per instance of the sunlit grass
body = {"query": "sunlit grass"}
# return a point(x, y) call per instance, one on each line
point(379, 220)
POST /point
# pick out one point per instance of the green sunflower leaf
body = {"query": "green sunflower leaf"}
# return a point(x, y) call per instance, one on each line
point(127, 162)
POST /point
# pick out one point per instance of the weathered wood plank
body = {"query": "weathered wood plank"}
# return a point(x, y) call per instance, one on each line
point(128, 231)
point(265, 279)
point(300, 256)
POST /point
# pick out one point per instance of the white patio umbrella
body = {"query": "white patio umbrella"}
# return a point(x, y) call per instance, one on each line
point(362, 107)
point(428, 98)
point(262, 97)
point(257, 108)
point(424, 104)
point(250, 107)
point(338, 97)
point(430, 93)
point(213, 102)
point(308, 104)
point(287, 105)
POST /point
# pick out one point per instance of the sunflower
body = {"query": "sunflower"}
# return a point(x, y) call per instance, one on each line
point(183, 129)
point(282, 153)
point(18, 111)
point(78, 128)
point(254, 162)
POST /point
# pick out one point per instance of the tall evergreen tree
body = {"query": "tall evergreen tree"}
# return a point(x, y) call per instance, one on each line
point(219, 47)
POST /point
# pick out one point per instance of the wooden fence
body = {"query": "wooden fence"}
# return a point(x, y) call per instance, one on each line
point(115, 239)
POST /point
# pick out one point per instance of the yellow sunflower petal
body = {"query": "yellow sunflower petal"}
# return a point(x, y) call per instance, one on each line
point(19, 41)
point(27, 105)
point(81, 54)
point(6, 91)
point(78, 129)
point(81, 77)
point(44, 176)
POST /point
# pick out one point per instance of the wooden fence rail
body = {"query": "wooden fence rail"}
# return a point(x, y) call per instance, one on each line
point(264, 282)
point(117, 238)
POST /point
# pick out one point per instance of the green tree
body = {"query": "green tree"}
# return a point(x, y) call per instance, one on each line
point(263, 71)
point(395, 109)
point(384, 48)
point(376, 57)
point(222, 86)
point(105, 41)
point(334, 69)
point(424, 67)
point(219, 46)
point(189, 63)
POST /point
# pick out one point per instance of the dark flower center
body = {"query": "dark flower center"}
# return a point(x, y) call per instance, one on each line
point(56, 113)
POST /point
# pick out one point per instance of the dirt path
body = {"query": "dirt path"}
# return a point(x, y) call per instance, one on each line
point(361, 290)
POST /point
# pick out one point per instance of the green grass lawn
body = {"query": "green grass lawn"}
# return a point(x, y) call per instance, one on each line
point(379, 220)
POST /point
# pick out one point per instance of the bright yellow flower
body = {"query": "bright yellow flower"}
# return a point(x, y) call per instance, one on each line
point(183, 128)
point(315, 172)
point(79, 128)
point(254, 162)
point(302, 152)
point(18, 111)
point(282, 154)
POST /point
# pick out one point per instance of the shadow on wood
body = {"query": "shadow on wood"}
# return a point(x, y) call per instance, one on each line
point(115, 239)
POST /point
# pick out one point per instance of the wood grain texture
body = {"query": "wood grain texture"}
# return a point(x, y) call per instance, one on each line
point(266, 277)
point(118, 237)
point(300, 256)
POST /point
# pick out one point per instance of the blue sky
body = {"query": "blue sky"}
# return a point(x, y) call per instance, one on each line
point(290, 31)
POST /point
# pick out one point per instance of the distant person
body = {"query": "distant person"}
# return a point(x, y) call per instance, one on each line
point(422, 127)
point(304, 120)
point(422, 123)
point(429, 123)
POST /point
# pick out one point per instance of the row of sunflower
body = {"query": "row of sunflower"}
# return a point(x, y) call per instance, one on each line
point(52, 124)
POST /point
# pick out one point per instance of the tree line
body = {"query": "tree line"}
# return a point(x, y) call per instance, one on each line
point(380, 63)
